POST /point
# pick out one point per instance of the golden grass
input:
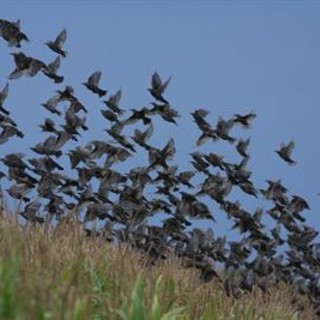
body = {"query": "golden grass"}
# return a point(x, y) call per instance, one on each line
point(58, 273)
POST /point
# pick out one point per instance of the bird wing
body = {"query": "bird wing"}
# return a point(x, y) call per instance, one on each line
point(94, 78)
point(61, 38)
point(54, 65)
point(4, 94)
point(156, 82)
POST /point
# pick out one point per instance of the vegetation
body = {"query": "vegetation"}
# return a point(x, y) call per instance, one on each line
point(59, 273)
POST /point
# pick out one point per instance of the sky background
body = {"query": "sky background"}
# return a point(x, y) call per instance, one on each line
point(227, 57)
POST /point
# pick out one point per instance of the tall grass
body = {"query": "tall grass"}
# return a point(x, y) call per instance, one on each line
point(58, 273)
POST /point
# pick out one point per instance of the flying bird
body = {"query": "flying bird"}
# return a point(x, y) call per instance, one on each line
point(244, 119)
point(166, 112)
point(242, 147)
point(141, 138)
point(285, 152)
point(52, 105)
point(8, 132)
point(51, 71)
point(93, 84)
point(58, 43)
point(31, 212)
point(10, 32)
point(113, 103)
point(25, 66)
point(158, 88)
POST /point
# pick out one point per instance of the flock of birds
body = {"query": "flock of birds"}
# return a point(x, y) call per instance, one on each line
point(123, 204)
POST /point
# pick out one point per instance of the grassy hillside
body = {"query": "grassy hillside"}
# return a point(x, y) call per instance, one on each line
point(60, 273)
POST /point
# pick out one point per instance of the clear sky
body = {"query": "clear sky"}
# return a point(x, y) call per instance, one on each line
point(228, 57)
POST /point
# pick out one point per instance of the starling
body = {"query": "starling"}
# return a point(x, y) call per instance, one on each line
point(242, 147)
point(138, 115)
point(52, 104)
point(141, 138)
point(93, 84)
point(113, 103)
point(10, 31)
point(166, 112)
point(222, 129)
point(8, 132)
point(244, 119)
point(48, 147)
point(48, 126)
point(298, 204)
point(26, 66)
point(6, 121)
point(160, 156)
point(285, 152)
point(58, 43)
point(67, 94)
point(31, 211)
point(199, 118)
point(158, 88)
point(51, 71)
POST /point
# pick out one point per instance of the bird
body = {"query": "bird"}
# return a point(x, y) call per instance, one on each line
point(141, 138)
point(298, 204)
point(8, 132)
point(48, 147)
point(244, 120)
point(285, 152)
point(73, 122)
point(67, 94)
point(5, 120)
point(10, 32)
point(52, 104)
point(199, 116)
point(222, 129)
point(58, 43)
point(158, 87)
point(44, 164)
point(113, 103)
point(115, 133)
point(242, 147)
point(110, 115)
point(215, 160)
point(51, 71)
point(93, 84)
point(141, 114)
point(31, 212)
point(276, 191)
point(49, 126)
point(80, 154)
point(166, 112)
point(159, 157)
point(26, 66)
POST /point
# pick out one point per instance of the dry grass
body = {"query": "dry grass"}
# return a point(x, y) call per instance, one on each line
point(59, 273)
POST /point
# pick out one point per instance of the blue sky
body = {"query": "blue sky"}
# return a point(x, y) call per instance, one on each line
point(231, 57)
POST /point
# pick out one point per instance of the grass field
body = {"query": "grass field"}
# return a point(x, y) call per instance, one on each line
point(59, 273)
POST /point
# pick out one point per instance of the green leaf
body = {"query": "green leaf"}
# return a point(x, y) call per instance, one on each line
point(172, 314)
point(137, 309)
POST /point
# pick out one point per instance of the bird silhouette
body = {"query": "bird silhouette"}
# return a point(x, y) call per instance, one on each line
point(113, 103)
point(158, 87)
point(51, 71)
point(285, 152)
point(58, 43)
point(26, 66)
point(93, 84)
point(10, 32)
